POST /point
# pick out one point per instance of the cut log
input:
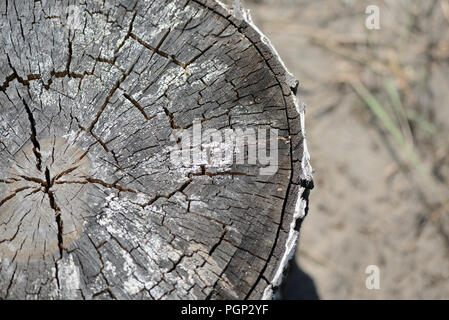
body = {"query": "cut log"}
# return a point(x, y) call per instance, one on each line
point(93, 204)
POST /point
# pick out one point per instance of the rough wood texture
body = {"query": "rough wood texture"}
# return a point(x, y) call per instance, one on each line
point(91, 206)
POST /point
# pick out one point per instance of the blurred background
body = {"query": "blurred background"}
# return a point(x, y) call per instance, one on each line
point(377, 123)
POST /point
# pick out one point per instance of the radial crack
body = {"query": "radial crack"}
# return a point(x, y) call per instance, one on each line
point(57, 210)
point(36, 146)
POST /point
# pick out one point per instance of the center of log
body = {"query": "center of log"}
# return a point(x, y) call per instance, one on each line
point(44, 189)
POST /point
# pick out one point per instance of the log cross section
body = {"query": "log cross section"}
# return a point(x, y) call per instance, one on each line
point(95, 98)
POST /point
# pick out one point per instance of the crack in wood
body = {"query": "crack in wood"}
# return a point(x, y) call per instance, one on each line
point(36, 146)
point(57, 210)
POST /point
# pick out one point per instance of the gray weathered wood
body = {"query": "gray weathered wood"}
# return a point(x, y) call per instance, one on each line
point(90, 205)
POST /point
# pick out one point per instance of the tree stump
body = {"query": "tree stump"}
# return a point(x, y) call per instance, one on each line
point(91, 205)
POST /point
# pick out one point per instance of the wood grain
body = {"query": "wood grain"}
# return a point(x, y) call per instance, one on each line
point(91, 206)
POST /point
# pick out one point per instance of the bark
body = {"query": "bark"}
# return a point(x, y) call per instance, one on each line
point(91, 207)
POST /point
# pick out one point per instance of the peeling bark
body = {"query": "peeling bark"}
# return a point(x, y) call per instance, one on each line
point(90, 205)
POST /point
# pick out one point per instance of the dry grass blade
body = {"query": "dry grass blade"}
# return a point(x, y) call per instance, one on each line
point(382, 115)
point(432, 192)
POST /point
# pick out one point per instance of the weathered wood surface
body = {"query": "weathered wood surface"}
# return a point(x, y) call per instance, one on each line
point(90, 205)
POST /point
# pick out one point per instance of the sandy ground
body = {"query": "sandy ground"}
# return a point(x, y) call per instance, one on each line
point(367, 207)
